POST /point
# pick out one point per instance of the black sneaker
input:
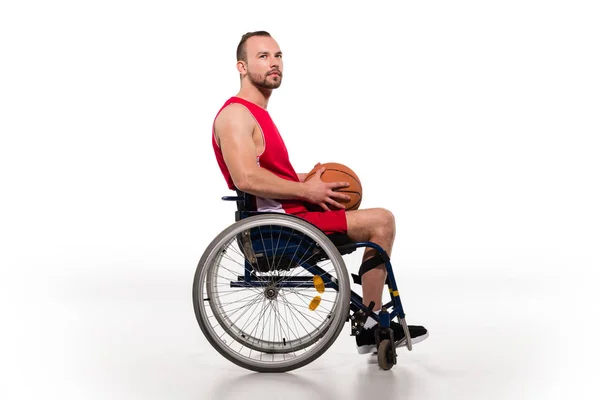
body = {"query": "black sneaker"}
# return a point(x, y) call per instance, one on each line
point(365, 340)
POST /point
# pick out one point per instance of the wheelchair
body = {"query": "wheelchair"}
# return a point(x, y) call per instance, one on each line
point(271, 292)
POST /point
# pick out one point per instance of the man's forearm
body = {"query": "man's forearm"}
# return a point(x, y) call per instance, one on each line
point(302, 176)
point(263, 183)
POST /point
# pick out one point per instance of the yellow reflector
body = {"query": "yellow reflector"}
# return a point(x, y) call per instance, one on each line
point(315, 303)
point(319, 284)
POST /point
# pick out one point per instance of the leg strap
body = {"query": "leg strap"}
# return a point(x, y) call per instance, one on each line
point(371, 263)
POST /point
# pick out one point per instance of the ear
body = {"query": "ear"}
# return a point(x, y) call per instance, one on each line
point(241, 67)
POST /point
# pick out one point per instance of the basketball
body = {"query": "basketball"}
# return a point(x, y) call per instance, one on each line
point(336, 172)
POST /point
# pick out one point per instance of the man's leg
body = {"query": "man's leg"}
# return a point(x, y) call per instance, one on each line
point(375, 225)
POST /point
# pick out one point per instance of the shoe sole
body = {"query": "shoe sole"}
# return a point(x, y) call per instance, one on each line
point(372, 349)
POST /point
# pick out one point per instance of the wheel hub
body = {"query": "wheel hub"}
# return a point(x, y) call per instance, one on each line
point(271, 293)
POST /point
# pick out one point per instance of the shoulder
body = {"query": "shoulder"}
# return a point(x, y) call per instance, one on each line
point(234, 111)
point(234, 115)
point(233, 122)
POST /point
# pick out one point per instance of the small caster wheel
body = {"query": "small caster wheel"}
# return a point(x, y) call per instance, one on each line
point(386, 354)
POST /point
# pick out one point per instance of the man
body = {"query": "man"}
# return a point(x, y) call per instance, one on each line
point(253, 158)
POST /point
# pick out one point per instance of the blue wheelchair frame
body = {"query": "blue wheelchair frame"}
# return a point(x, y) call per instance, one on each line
point(249, 279)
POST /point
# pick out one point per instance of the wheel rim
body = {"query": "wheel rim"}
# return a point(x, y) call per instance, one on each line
point(271, 297)
point(250, 340)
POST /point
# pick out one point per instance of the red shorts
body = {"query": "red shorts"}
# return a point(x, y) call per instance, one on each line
point(328, 221)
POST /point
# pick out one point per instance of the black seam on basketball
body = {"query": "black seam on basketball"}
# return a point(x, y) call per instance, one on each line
point(357, 183)
point(343, 172)
point(348, 191)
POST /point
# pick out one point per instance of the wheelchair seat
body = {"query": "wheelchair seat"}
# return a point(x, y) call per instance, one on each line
point(246, 206)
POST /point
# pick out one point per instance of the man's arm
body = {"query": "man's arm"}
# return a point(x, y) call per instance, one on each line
point(234, 127)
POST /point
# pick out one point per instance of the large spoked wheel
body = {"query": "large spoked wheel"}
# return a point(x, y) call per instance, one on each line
point(279, 305)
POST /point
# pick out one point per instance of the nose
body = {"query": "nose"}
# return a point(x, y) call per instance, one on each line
point(276, 62)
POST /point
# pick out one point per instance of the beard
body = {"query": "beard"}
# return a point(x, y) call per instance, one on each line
point(265, 81)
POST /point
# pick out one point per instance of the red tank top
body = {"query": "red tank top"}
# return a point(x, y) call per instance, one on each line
point(274, 158)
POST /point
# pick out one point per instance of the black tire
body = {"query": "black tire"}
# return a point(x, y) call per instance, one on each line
point(386, 355)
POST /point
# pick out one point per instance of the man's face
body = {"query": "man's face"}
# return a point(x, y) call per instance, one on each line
point(265, 64)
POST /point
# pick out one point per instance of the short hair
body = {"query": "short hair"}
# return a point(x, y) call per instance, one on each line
point(241, 53)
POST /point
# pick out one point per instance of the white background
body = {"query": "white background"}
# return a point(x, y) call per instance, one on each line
point(475, 122)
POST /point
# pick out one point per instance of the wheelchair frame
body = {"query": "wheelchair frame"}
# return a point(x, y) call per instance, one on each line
point(361, 311)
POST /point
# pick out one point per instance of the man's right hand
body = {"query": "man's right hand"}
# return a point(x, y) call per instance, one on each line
point(323, 193)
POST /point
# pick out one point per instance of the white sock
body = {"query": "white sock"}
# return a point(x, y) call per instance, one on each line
point(370, 321)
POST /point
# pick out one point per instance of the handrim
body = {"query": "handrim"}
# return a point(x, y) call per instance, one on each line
point(339, 311)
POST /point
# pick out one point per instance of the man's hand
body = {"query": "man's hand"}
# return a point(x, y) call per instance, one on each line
point(323, 193)
point(302, 175)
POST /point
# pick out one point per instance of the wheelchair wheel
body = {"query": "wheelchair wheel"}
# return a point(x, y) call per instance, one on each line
point(271, 293)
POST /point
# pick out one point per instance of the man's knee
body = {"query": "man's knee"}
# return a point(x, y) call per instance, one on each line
point(372, 222)
point(386, 222)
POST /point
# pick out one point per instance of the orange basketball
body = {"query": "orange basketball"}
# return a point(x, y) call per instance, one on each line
point(336, 172)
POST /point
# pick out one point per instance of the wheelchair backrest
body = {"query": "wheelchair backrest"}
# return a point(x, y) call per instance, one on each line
point(245, 204)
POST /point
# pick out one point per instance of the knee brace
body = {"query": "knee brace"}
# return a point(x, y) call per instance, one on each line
point(371, 263)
